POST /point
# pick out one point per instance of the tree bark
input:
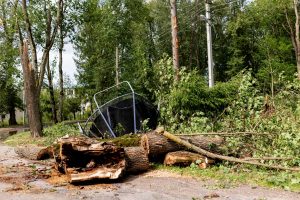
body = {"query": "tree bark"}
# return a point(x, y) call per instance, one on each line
point(32, 100)
point(297, 36)
point(136, 160)
point(60, 61)
point(175, 42)
point(157, 146)
point(294, 33)
point(12, 116)
point(185, 158)
point(51, 92)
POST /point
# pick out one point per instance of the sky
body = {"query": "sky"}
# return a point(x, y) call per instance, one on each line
point(69, 66)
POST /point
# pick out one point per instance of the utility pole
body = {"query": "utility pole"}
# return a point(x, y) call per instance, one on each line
point(117, 65)
point(175, 43)
point(210, 60)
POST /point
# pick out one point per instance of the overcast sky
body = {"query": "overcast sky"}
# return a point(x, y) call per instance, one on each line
point(69, 66)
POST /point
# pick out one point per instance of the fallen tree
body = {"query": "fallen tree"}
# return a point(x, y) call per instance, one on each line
point(157, 146)
point(204, 152)
point(84, 159)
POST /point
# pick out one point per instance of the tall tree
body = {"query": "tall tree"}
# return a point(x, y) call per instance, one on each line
point(294, 28)
point(34, 71)
point(8, 62)
point(60, 61)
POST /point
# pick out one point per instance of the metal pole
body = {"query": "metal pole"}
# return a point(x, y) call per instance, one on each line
point(210, 60)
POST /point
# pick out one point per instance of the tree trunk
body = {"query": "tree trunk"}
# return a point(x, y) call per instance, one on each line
point(297, 36)
point(136, 160)
point(204, 152)
point(12, 114)
point(185, 158)
point(175, 43)
point(298, 63)
point(60, 61)
point(32, 72)
point(84, 159)
point(32, 99)
point(157, 146)
point(51, 91)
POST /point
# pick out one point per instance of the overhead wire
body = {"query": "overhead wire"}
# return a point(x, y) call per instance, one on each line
point(194, 11)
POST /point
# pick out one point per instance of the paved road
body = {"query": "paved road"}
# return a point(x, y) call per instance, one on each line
point(21, 179)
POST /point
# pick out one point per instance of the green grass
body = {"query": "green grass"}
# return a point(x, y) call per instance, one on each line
point(50, 135)
point(231, 176)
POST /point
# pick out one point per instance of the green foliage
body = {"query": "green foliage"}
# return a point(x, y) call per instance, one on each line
point(58, 130)
point(73, 105)
point(279, 120)
point(189, 105)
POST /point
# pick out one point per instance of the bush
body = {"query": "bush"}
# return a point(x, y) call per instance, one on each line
point(189, 105)
point(279, 119)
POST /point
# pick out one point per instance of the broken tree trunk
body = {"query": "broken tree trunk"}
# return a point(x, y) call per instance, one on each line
point(34, 152)
point(84, 159)
point(185, 158)
point(157, 146)
point(136, 160)
point(217, 156)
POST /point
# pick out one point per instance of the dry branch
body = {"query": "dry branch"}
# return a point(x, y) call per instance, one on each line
point(224, 134)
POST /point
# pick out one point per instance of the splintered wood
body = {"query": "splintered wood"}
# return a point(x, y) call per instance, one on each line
point(84, 159)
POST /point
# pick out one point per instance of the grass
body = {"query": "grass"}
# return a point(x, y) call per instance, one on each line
point(231, 176)
point(50, 135)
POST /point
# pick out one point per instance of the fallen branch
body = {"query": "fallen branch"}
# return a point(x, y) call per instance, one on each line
point(223, 133)
point(216, 156)
point(268, 158)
